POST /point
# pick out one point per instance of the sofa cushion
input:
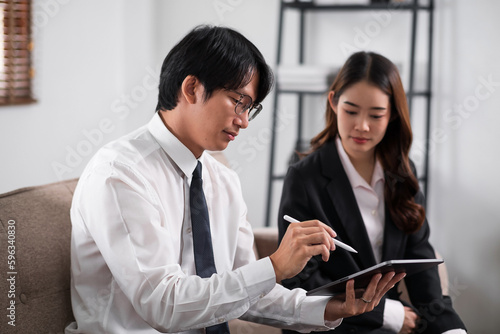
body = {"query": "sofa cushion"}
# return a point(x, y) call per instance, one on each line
point(41, 236)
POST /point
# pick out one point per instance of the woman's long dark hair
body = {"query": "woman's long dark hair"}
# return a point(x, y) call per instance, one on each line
point(401, 185)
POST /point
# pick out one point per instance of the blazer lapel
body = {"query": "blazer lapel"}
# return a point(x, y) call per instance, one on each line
point(345, 204)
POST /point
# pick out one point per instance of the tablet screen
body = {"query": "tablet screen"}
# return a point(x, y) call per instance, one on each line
point(362, 278)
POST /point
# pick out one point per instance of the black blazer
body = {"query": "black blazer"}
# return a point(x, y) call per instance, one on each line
point(317, 187)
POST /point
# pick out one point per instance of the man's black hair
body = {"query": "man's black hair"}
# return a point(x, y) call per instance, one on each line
point(219, 57)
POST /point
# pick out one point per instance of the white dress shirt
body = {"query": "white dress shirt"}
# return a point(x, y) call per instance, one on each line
point(370, 199)
point(132, 262)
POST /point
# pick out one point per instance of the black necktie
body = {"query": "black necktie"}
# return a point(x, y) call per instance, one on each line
point(202, 240)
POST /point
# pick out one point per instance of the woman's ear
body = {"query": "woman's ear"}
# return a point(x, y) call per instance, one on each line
point(331, 99)
point(189, 88)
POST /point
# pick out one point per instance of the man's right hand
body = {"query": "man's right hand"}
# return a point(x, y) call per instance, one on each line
point(300, 243)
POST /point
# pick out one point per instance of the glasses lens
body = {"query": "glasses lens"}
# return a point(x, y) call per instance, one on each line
point(254, 111)
point(244, 104)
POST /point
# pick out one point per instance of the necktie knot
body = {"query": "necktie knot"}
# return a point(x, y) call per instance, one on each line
point(197, 171)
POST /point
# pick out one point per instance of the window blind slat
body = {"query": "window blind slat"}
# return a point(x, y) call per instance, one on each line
point(15, 52)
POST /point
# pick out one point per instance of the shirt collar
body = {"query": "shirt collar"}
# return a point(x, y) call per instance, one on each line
point(172, 146)
point(352, 174)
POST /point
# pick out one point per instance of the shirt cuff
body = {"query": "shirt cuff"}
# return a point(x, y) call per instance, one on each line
point(456, 331)
point(259, 277)
point(313, 311)
point(394, 315)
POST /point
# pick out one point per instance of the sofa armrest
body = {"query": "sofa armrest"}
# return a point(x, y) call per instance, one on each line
point(37, 222)
point(266, 241)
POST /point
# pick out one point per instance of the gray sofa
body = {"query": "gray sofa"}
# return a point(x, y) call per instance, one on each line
point(36, 222)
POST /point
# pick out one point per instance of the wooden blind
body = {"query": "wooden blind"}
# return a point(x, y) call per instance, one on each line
point(15, 58)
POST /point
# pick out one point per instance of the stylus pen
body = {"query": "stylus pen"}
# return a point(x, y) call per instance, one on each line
point(335, 241)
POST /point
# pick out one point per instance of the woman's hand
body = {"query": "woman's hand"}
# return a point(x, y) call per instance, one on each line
point(378, 287)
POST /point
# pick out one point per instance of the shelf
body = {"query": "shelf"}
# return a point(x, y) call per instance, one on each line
point(413, 7)
point(306, 92)
point(421, 93)
point(311, 6)
point(278, 177)
point(289, 91)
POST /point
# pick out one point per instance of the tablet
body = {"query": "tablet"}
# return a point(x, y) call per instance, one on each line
point(362, 278)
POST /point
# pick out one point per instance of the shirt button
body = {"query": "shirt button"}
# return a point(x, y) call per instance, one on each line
point(221, 320)
point(374, 212)
point(188, 230)
point(262, 295)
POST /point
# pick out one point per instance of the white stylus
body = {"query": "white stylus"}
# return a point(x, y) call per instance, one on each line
point(335, 241)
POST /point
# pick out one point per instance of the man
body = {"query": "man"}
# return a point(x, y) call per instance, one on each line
point(135, 256)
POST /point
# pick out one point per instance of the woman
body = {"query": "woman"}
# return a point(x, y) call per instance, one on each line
point(358, 179)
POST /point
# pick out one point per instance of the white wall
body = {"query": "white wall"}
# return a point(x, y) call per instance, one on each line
point(97, 64)
point(465, 185)
point(92, 84)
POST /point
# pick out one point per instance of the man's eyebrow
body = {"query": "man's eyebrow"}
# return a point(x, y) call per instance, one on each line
point(241, 94)
point(355, 105)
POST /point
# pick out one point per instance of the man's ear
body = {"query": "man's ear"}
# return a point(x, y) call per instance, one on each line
point(190, 86)
point(331, 97)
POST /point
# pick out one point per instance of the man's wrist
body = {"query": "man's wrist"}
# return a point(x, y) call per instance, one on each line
point(277, 272)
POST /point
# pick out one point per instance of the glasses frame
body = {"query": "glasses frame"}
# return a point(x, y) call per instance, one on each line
point(253, 109)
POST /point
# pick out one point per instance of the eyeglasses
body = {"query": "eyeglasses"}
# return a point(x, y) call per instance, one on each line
point(245, 103)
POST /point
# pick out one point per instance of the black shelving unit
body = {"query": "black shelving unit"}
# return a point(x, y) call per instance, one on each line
point(303, 7)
